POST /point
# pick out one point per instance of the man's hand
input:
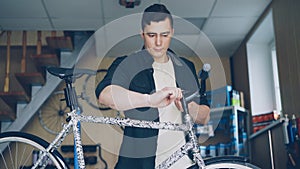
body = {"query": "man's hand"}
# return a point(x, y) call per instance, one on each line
point(164, 97)
point(199, 113)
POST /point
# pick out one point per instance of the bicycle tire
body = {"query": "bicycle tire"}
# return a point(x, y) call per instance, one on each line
point(229, 162)
point(53, 115)
point(88, 90)
point(17, 149)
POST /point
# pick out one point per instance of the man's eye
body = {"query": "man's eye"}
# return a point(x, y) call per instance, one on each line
point(165, 35)
point(151, 35)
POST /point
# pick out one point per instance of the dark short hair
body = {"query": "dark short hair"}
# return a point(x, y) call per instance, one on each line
point(156, 13)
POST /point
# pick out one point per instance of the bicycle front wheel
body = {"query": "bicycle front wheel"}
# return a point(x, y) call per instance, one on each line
point(21, 150)
point(230, 162)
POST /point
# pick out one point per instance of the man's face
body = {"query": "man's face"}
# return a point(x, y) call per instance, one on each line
point(157, 37)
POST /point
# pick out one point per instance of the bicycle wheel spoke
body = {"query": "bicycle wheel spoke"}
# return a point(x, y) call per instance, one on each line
point(53, 113)
point(10, 156)
point(64, 109)
point(51, 109)
point(47, 116)
point(18, 152)
point(24, 154)
point(57, 125)
point(53, 125)
point(4, 162)
point(53, 103)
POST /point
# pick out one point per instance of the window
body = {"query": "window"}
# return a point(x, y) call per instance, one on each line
point(277, 99)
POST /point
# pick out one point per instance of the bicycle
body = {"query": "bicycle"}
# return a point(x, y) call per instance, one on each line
point(50, 157)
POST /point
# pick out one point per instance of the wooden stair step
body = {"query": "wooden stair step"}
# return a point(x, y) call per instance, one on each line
point(29, 79)
point(44, 60)
point(60, 42)
point(12, 98)
point(34, 78)
point(6, 113)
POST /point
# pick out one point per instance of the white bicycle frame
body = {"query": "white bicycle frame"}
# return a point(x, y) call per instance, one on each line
point(76, 118)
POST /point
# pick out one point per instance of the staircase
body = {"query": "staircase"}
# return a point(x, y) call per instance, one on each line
point(25, 91)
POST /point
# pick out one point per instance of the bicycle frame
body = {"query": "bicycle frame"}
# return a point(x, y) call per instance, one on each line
point(75, 117)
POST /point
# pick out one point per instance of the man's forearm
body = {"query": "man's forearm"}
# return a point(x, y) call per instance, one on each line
point(120, 98)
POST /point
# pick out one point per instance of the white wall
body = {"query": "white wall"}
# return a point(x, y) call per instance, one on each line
point(260, 78)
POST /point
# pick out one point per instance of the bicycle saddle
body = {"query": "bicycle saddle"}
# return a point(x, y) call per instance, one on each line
point(64, 73)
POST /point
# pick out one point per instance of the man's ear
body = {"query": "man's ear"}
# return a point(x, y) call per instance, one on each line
point(142, 34)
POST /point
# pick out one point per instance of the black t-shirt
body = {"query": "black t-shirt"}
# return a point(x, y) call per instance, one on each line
point(135, 72)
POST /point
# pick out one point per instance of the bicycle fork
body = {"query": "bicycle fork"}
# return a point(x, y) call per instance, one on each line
point(195, 150)
point(189, 122)
point(53, 146)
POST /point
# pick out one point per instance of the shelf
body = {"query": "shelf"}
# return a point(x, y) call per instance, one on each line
point(218, 113)
point(219, 137)
point(230, 125)
point(218, 109)
point(269, 127)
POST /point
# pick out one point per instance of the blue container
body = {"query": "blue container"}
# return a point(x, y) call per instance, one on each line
point(221, 149)
point(203, 151)
point(212, 150)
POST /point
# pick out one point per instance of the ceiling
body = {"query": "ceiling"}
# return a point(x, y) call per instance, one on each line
point(224, 22)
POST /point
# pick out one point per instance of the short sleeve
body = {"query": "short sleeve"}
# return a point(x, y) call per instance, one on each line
point(114, 76)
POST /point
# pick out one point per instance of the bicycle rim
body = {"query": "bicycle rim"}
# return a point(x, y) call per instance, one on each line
point(229, 162)
point(229, 165)
point(18, 150)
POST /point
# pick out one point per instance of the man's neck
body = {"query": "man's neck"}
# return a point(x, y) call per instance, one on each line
point(163, 59)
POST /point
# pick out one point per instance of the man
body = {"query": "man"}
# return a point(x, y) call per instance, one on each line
point(148, 85)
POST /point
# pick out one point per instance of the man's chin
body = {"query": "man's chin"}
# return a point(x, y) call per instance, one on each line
point(158, 57)
point(158, 54)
